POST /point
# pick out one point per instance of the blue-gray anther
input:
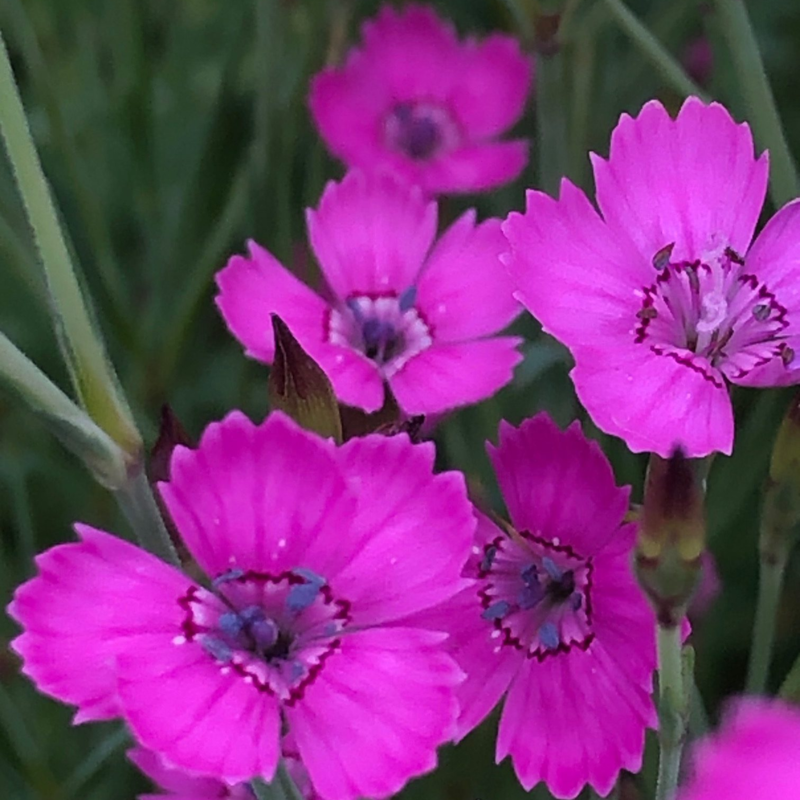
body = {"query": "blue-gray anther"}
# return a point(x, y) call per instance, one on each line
point(264, 633)
point(309, 576)
point(530, 575)
point(301, 596)
point(355, 307)
point(548, 635)
point(231, 623)
point(530, 595)
point(232, 574)
point(407, 298)
point(497, 610)
point(217, 648)
point(551, 568)
point(488, 558)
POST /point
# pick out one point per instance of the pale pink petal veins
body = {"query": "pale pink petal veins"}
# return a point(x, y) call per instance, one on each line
point(90, 602)
point(251, 287)
point(376, 714)
point(558, 484)
point(242, 499)
point(418, 529)
point(371, 235)
point(489, 94)
point(693, 181)
point(458, 308)
point(450, 375)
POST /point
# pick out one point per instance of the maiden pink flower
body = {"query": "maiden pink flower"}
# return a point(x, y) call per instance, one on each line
point(553, 619)
point(313, 555)
point(418, 315)
point(663, 299)
point(414, 99)
point(753, 755)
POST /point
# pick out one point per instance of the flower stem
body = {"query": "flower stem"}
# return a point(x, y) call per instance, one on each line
point(136, 500)
point(282, 786)
point(666, 64)
point(771, 571)
point(83, 350)
point(672, 710)
point(552, 103)
point(752, 79)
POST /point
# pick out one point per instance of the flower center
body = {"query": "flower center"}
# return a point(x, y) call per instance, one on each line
point(712, 309)
point(536, 593)
point(275, 631)
point(420, 130)
point(388, 330)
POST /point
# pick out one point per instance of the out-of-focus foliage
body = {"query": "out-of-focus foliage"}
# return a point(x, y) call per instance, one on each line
point(174, 131)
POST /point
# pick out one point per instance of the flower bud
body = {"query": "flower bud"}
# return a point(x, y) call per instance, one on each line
point(671, 534)
point(299, 387)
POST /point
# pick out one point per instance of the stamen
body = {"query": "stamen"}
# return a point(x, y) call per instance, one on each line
point(233, 574)
point(265, 633)
point(407, 298)
point(551, 568)
point(217, 649)
point(497, 610)
point(548, 635)
point(231, 623)
point(761, 312)
point(530, 595)
point(488, 558)
point(787, 355)
point(302, 596)
point(530, 574)
point(662, 257)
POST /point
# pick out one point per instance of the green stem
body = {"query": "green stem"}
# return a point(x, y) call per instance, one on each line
point(655, 52)
point(281, 788)
point(763, 113)
point(672, 710)
point(771, 571)
point(136, 500)
point(82, 348)
point(552, 102)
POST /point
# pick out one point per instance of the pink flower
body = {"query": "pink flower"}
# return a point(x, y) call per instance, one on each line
point(404, 310)
point(415, 100)
point(753, 755)
point(179, 785)
point(313, 555)
point(663, 299)
point(554, 619)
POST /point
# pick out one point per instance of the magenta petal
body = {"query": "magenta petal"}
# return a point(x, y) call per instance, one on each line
point(373, 718)
point(558, 484)
point(475, 167)
point(179, 703)
point(242, 498)
point(572, 273)
point(489, 96)
point(250, 288)
point(656, 402)
point(415, 52)
point(450, 375)
point(355, 379)
point(693, 181)
point(371, 234)
point(590, 723)
point(417, 529)
point(460, 309)
point(90, 602)
point(175, 781)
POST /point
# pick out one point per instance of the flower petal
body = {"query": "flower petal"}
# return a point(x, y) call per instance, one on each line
point(460, 309)
point(268, 498)
point(90, 602)
point(173, 780)
point(693, 181)
point(558, 484)
point(371, 234)
point(572, 273)
point(250, 288)
point(489, 94)
point(449, 375)
point(376, 713)
point(656, 402)
point(418, 529)
point(180, 703)
point(475, 167)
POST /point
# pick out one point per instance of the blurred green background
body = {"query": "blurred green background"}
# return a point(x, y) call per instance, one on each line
point(174, 131)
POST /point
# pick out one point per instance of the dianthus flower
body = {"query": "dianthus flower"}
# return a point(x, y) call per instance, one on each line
point(553, 619)
point(415, 100)
point(753, 755)
point(402, 309)
point(313, 553)
point(663, 299)
point(174, 784)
